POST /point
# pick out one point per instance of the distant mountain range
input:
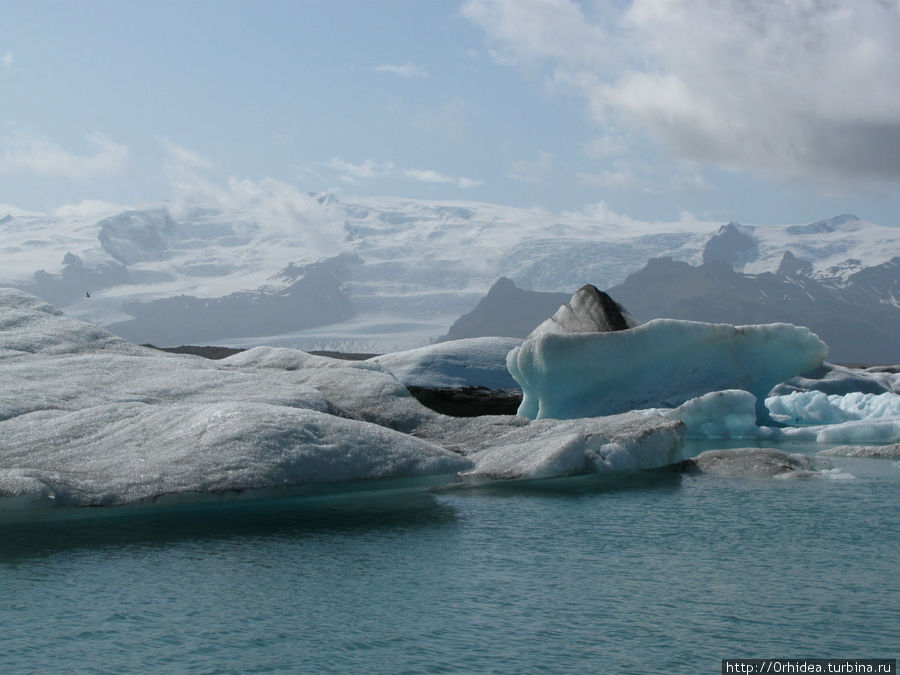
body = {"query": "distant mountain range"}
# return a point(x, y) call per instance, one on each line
point(379, 274)
point(855, 312)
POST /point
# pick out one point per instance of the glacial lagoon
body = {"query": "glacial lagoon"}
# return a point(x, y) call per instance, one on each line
point(659, 571)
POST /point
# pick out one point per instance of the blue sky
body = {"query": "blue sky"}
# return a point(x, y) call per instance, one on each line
point(764, 112)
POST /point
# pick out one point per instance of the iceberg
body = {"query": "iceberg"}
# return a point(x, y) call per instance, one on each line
point(88, 419)
point(752, 462)
point(721, 415)
point(879, 451)
point(659, 364)
point(131, 452)
point(553, 448)
point(814, 407)
point(469, 362)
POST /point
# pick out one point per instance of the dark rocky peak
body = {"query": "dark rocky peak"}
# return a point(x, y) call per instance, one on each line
point(6, 219)
point(792, 266)
point(589, 311)
point(506, 311)
point(502, 286)
point(730, 245)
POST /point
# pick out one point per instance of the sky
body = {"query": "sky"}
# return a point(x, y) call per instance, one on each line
point(760, 112)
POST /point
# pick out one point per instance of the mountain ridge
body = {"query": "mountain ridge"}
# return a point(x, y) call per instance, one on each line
point(422, 264)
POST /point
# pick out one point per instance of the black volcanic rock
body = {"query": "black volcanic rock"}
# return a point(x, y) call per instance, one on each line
point(506, 311)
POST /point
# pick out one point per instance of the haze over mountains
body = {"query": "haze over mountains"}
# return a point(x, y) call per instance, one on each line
point(380, 274)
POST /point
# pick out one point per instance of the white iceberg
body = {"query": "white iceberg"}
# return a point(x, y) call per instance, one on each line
point(130, 452)
point(814, 407)
point(470, 362)
point(552, 448)
point(661, 363)
point(720, 414)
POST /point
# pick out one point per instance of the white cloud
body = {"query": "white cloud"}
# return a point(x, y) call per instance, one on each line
point(621, 179)
point(529, 30)
point(366, 169)
point(430, 176)
point(407, 69)
point(466, 183)
point(44, 158)
point(6, 61)
point(184, 159)
point(805, 88)
point(535, 171)
point(356, 173)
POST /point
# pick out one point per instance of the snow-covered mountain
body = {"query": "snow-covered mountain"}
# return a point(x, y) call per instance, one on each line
point(397, 272)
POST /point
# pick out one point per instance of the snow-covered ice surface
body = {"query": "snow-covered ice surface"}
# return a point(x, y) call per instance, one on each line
point(661, 363)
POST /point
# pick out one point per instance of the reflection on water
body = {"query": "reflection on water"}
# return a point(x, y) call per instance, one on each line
point(633, 573)
point(160, 525)
point(155, 525)
point(665, 479)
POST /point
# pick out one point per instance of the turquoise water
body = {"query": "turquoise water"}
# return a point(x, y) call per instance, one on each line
point(652, 573)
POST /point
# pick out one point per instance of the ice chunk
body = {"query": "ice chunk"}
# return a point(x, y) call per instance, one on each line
point(857, 432)
point(661, 363)
point(815, 407)
point(833, 379)
point(720, 414)
point(882, 451)
point(471, 362)
point(752, 462)
point(551, 448)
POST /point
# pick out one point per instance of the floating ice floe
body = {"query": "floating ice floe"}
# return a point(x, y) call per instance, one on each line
point(661, 363)
point(813, 407)
point(752, 462)
point(891, 451)
point(834, 379)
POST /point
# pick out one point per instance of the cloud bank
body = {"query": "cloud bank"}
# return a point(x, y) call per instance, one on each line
point(802, 89)
point(44, 158)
